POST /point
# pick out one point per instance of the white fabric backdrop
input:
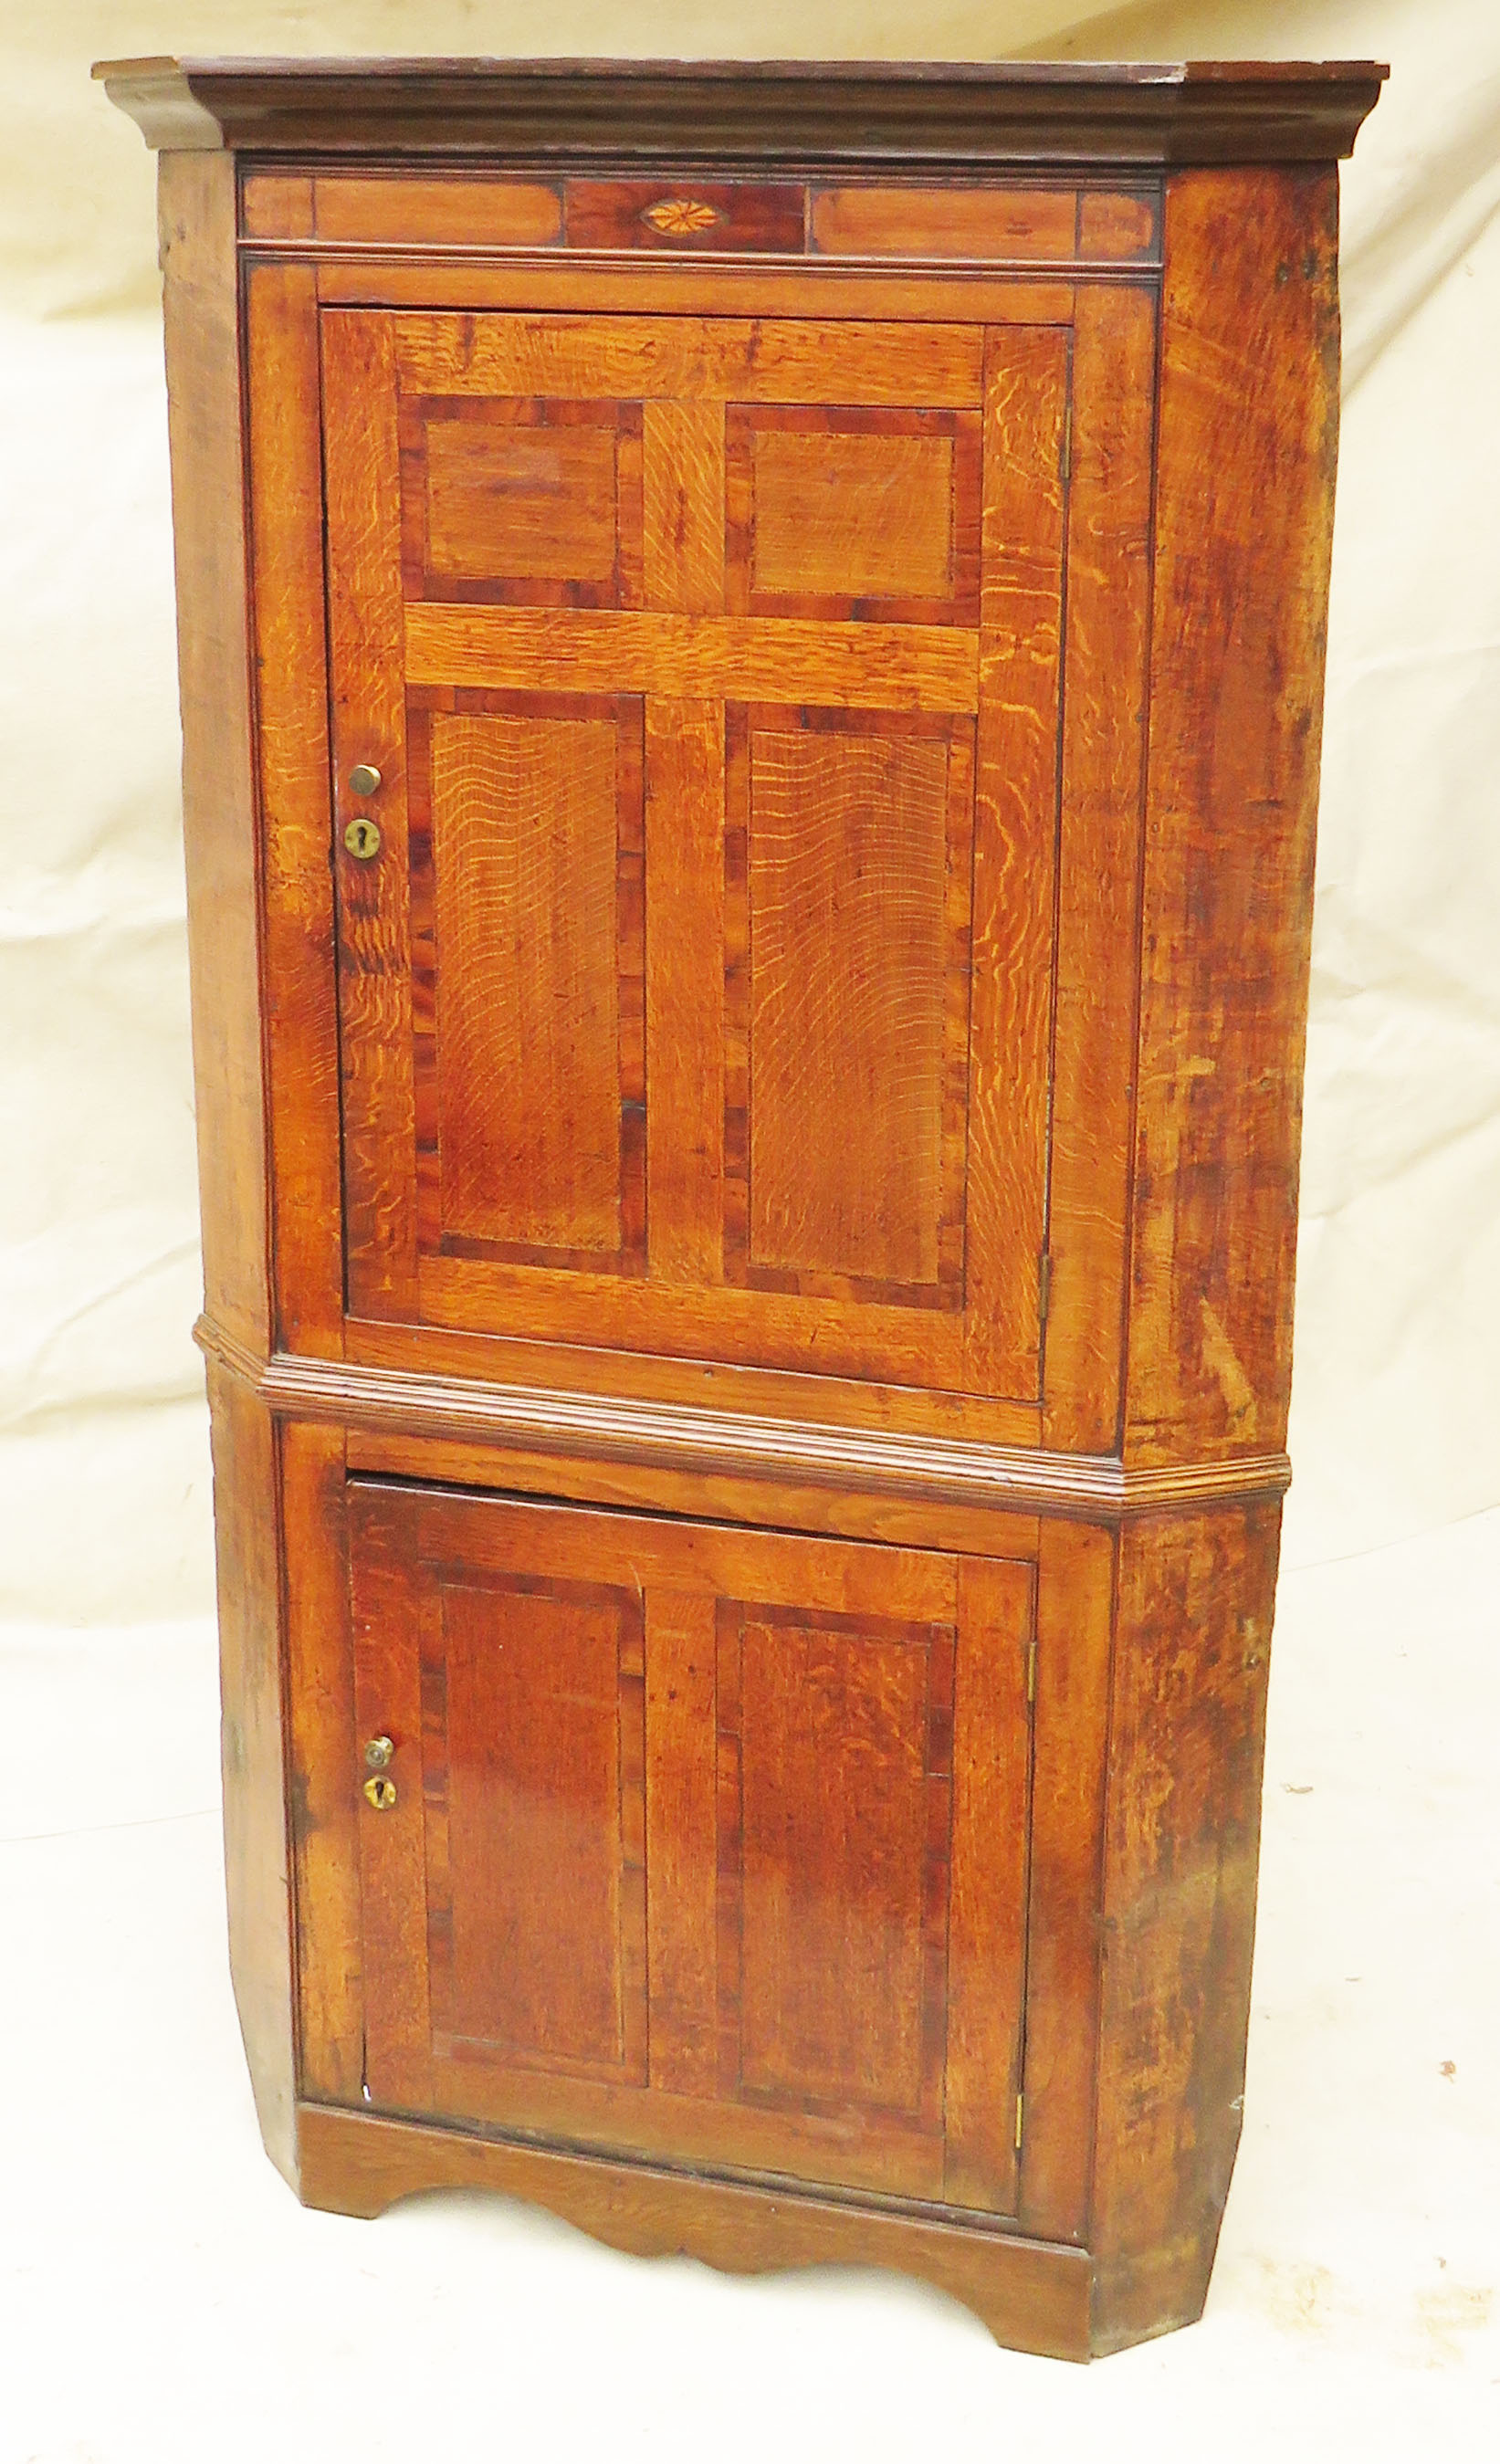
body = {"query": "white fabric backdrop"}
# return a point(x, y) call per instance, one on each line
point(103, 1460)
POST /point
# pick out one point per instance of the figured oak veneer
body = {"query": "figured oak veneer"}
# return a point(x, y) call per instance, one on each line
point(748, 1245)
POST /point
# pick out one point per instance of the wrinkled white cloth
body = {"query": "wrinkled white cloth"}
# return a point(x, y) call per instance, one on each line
point(103, 1462)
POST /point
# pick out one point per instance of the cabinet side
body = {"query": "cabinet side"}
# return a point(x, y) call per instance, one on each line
point(206, 425)
point(1182, 1836)
point(1248, 425)
point(252, 1741)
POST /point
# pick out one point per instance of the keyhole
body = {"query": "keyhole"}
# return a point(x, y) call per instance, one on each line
point(362, 838)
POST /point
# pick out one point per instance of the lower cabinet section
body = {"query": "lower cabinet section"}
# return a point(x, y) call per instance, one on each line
point(694, 1842)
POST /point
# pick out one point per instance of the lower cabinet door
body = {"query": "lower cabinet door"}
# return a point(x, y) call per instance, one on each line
point(697, 1841)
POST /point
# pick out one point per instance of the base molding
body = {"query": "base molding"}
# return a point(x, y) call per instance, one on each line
point(1031, 2295)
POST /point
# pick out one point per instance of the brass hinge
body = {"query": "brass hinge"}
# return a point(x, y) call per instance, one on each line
point(1065, 459)
point(1032, 1671)
point(1021, 2106)
point(1044, 1284)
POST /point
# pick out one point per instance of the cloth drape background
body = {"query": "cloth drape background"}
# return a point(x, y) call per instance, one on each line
point(104, 1454)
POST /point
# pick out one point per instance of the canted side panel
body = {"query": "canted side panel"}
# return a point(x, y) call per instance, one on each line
point(1248, 424)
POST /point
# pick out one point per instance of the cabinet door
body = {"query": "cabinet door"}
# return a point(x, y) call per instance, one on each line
point(697, 996)
point(704, 1843)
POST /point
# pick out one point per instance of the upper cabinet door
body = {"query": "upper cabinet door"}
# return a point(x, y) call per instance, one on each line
point(694, 974)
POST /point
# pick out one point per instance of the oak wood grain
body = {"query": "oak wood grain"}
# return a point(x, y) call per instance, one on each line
point(256, 1858)
point(685, 989)
point(986, 1914)
point(1249, 412)
point(694, 359)
point(1010, 224)
point(1103, 783)
point(1030, 2293)
point(322, 1755)
point(205, 425)
point(366, 631)
point(471, 213)
point(1180, 1850)
point(1015, 842)
point(765, 658)
point(819, 288)
point(301, 1044)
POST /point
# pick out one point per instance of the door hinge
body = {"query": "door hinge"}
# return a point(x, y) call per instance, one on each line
point(1044, 1284)
point(1032, 1671)
point(1021, 2106)
point(1065, 458)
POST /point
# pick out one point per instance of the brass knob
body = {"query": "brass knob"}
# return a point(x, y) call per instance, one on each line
point(382, 1793)
point(377, 1751)
point(362, 838)
point(363, 779)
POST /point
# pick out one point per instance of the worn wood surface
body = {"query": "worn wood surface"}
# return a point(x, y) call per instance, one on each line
point(1103, 754)
point(205, 425)
point(804, 1101)
point(1181, 1836)
point(965, 115)
point(1249, 411)
point(292, 727)
point(792, 1835)
point(257, 1861)
point(1028, 2294)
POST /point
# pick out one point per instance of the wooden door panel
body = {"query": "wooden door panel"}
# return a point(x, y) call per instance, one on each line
point(533, 1786)
point(527, 937)
point(848, 861)
point(718, 873)
point(699, 1834)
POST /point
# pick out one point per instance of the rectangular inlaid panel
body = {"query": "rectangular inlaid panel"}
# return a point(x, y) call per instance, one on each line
point(846, 865)
point(534, 1796)
point(765, 216)
point(1016, 223)
point(528, 956)
point(846, 513)
point(687, 358)
point(833, 1747)
point(446, 212)
point(521, 502)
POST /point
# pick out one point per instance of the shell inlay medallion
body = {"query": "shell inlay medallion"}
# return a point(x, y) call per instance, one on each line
point(679, 218)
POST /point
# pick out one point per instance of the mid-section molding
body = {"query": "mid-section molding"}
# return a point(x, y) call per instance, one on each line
point(1096, 1488)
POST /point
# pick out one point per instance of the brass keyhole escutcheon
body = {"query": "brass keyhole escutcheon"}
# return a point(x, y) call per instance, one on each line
point(381, 1794)
point(362, 838)
point(363, 779)
point(378, 1753)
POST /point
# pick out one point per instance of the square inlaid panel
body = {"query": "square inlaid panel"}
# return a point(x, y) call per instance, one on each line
point(521, 502)
point(849, 513)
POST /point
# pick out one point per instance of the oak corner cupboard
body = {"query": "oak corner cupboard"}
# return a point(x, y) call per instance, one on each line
point(751, 644)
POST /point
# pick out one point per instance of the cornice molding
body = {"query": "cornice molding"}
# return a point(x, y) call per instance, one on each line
point(1097, 1489)
point(938, 115)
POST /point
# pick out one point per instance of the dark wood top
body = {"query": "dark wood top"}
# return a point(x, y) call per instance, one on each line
point(940, 115)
